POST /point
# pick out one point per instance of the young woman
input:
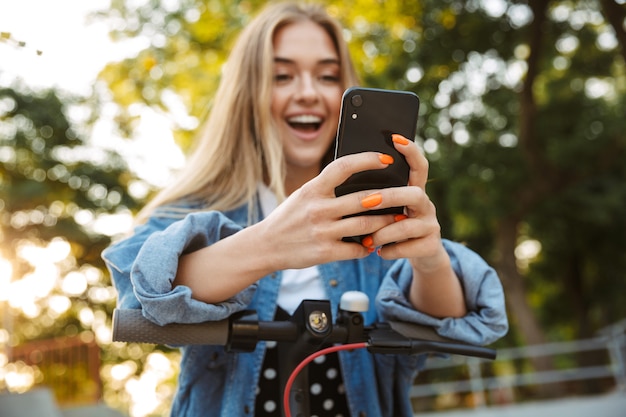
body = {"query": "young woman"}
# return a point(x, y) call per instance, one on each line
point(253, 223)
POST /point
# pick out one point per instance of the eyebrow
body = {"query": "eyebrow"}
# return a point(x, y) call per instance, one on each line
point(327, 61)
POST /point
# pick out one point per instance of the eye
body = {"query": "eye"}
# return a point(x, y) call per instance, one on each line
point(282, 77)
point(329, 74)
point(330, 78)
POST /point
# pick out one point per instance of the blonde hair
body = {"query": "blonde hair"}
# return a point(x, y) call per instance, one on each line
point(238, 145)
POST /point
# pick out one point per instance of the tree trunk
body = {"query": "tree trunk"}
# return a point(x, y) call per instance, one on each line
point(513, 283)
point(528, 195)
point(521, 313)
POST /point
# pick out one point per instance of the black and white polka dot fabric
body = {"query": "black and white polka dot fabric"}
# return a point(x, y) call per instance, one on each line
point(327, 393)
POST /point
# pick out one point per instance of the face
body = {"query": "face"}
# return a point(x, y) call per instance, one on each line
point(306, 96)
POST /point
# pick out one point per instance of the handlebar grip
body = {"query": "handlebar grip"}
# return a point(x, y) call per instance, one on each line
point(427, 339)
point(130, 325)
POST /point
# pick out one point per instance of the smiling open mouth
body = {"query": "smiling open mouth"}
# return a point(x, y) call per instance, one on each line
point(305, 122)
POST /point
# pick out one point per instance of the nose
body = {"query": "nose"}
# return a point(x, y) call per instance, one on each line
point(307, 89)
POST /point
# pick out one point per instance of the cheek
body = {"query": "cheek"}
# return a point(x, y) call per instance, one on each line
point(335, 98)
point(277, 105)
point(334, 105)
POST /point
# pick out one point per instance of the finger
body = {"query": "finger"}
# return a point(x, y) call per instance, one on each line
point(362, 225)
point(418, 174)
point(401, 230)
point(408, 238)
point(412, 248)
point(364, 201)
point(419, 210)
point(338, 171)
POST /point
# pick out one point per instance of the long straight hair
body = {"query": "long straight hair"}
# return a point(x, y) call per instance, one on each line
point(238, 146)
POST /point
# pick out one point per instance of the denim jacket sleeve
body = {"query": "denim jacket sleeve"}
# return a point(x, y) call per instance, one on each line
point(144, 266)
point(486, 320)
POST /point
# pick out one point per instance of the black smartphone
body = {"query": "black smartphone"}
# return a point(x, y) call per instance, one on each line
point(369, 116)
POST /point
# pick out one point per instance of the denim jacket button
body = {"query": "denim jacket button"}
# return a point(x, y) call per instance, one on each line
point(333, 283)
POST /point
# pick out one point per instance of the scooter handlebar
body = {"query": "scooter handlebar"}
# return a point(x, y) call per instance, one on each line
point(131, 326)
point(395, 337)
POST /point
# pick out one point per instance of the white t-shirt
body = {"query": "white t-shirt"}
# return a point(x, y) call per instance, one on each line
point(297, 284)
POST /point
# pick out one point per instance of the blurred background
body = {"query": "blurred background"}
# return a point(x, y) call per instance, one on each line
point(523, 117)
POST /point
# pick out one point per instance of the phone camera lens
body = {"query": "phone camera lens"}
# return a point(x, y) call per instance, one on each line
point(357, 100)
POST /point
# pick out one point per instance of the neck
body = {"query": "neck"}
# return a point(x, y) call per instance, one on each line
point(298, 176)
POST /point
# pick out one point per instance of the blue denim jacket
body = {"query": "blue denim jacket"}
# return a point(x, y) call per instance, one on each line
point(214, 382)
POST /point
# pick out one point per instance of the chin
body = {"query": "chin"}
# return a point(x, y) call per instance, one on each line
point(305, 162)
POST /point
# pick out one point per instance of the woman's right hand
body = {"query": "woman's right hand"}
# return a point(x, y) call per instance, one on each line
point(304, 230)
point(308, 227)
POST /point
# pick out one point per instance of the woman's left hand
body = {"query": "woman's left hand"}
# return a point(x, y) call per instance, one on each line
point(416, 235)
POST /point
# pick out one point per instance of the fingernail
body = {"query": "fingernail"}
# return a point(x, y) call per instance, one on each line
point(370, 250)
point(399, 217)
point(399, 139)
point(372, 200)
point(385, 159)
point(378, 252)
point(367, 241)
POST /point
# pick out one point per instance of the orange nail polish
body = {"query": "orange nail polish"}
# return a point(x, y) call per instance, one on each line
point(385, 159)
point(399, 217)
point(370, 250)
point(367, 241)
point(399, 139)
point(372, 200)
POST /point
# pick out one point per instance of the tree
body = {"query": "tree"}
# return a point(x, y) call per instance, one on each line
point(54, 185)
point(55, 188)
point(509, 146)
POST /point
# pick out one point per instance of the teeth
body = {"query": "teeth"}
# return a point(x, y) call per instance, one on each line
point(305, 118)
